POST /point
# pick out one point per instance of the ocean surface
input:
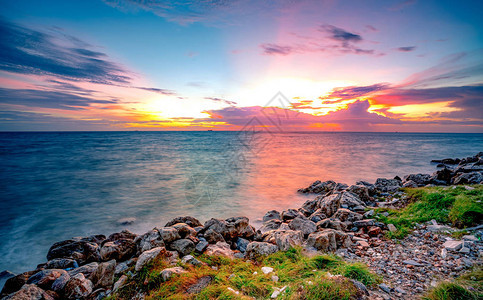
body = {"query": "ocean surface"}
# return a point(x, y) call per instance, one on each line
point(54, 186)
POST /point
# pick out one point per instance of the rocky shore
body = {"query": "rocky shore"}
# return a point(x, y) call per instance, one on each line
point(341, 219)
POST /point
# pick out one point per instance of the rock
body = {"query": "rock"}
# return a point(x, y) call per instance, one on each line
point(330, 204)
point(119, 283)
point(277, 292)
point(387, 185)
point(166, 274)
point(78, 287)
point(339, 187)
point(198, 286)
point(45, 278)
point(323, 240)
point(317, 216)
point(412, 263)
point(126, 221)
point(351, 201)
point(370, 187)
point(302, 224)
point(410, 184)
point(369, 214)
point(365, 223)
point(331, 223)
point(149, 240)
point(27, 292)
point(267, 270)
point(444, 253)
point(374, 231)
point(271, 215)
point(120, 249)
point(270, 225)
point(59, 284)
point(80, 249)
point(465, 250)
point(468, 178)
point(189, 259)
point(419, 179)
point(453, 245)
point(231, 228)
point(212, 236)
point(361, 288)
point(257, 249)
point(220, 248)
point(148, 256)
point(184, 230)
point(443, 176)
point(274, 278)
point(241, 244)
point(192, 222)
point(87, 270)
point(439, 228)
point(344, 214)
point(201, 246)
point(169, 234)
point(183, 246)
point(319, 187)
point(60, 263)
point(288, 238)
point(123, 235)
point(470, 238)
point(104, 275)
point(400, 290)
point(362, 192)
point(385, 288)
point(4, 276)
point(291, 214)
point(391, 228)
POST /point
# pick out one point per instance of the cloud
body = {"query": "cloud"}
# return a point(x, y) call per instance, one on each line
point(274, 49)
point(157, 90)
point(406, 49)
point(215, 99)
point(353, 92)
point(28, 51)
point(340, 34)
point(49, 99)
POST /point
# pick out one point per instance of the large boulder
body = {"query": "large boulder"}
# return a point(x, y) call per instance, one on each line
point(442, 176)
point(284, 239)
point(78, 287)
point(45, 278)
point(362, 192)
point(344, 214)
point(27, 292)
point(270, 215)
point(60, 263)
point(328, 240)
point(330, 204)
point(351, 201)
point(15, 283)
point(104, 275)
point(148, 256)
point(184, 230)
point(80, 249)
point(290, 214)
point(317, 216)
point(319, 187)
point(87, 269)
point(149, 240)
point(123, 235)
point(231, 228)
point(273, 224)
point(212, 236)
point(419, 179)
point(331, 223)
point(387, 185)
point(120, 249)
point(192, 222)
point(302, 224)
point(311, 205)
point(183, 246)
point(220, 248)
point(370, 187)
point(257, 249)
point(169, 234)
point(468, 178)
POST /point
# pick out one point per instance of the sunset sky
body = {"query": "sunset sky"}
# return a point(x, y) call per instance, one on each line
point(228, 65)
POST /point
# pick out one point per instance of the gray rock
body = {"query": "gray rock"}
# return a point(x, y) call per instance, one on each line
point(344, 214)
point(302, 224)
point(87, 270)
point(391, 227)
point(27, 292)
point(362, 192)
point(220, 248)
point(291, 214)
point(385, 288)
point(201, 246)
point(169, 234)
point(212, 236)
point(45, 278)
point(271, 215)
point(183, 246)
point(241, 244)
point(330, 204)
point(166, 274)
point(257, 249)
point(78, 287)
point(149, 240)
point(453, 245)
point(104, 275)
point(119, 283)
point(387, 185)
point(351, 201)
point(270, 225)
point(148, 256)
point(193, 222)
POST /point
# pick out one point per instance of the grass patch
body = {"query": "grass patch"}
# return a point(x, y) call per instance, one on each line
point(450, 291)
point(458, 206)
point(304, 278)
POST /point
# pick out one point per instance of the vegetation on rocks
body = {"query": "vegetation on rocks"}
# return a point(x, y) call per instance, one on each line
point(457, 205)
point(467, 287)
point(303, 277)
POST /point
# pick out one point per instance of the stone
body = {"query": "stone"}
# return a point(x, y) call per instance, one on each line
point(410, 184)
point(166, 274)
point(78, 287)
point(169, 234)
point(468, 178)
point(374, 231)
point(419, 179)
point(45, 278)
point(119, 249)
point(319, 187)
point(119, 283)
point(413, 263)
point(400, 290)
point(277, 292)
point(148, 256)
point(201, 246)
point(470, 238)
point(302, 224)
point(257, 249)
point(362, 192)
point(104, 275)
point(369, 214)
point(331, 223)
point(192, 222)
point(344, 214)
point(317, 216)
point(453, 245)
point(80, 249)
point(290, 214)
point(267, 270)
point(123, 235)
point(391, 228)
point(183, 246)
point(274, 278)
point(220, 248)
point(387, 185)
point(87, 270)
point(4, 276)
point(465, 250)
point(385, 288)
point(323, 240)
point(60, 263)
point(199, 285)
point(184, 230)
point(241, 244)
point(271, 215)
point(27, 292)
point(212, 236)
point(272, 224)
point(59, 284)
point(364, 223)
point(149, 240)
point(361, 288)
point(330, 204)
point(351, 201)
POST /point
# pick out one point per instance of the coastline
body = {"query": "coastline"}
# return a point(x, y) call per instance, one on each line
point(341, 219)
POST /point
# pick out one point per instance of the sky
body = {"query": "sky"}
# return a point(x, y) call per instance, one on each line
point(406, 66)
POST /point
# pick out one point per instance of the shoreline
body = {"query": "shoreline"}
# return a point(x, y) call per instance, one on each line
point(341, 219)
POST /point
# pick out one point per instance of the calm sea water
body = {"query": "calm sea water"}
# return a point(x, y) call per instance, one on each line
point(54, 186)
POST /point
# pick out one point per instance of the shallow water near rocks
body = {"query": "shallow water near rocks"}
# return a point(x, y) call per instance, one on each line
point(54, 186)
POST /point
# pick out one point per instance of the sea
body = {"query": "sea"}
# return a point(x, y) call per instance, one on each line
point(59, 185)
